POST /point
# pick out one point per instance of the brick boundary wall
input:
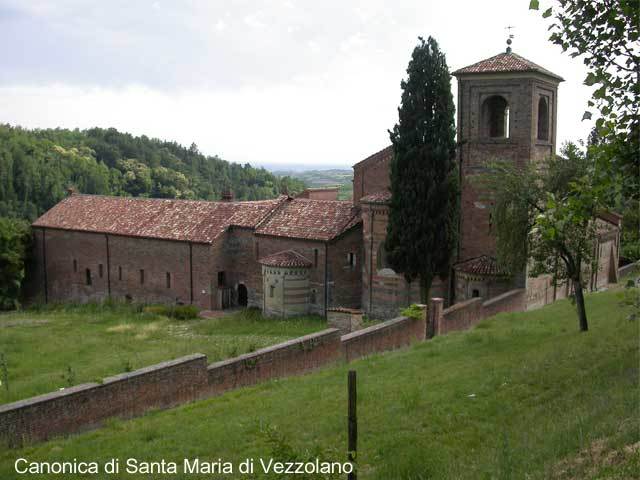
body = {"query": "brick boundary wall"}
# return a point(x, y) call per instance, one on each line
point(292, 357)
point(189, 378)
point(86, 406)
point(464, 315)
point(396, 333)
point(629, 269)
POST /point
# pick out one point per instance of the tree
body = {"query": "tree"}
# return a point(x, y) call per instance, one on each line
point(605, 35)
point(14, 242)
point(421, 233)
point(546, 216)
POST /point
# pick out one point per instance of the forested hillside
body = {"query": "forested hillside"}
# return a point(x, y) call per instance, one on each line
point(38, 166)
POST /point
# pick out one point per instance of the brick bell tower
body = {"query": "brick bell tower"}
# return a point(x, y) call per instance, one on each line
point(507, 108)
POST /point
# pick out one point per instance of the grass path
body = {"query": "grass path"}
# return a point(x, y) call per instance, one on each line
point(58, 347)
point(520, 396)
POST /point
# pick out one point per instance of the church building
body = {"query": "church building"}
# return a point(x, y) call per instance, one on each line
point(292, 256)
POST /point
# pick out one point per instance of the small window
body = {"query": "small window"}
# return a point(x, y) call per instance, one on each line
point(119, 273)
point(168, 280)
point(141, 277)
point(312, 297)
point(222, 279)
point(272, 290)
point(315, 257)
point(100, 271)
point(75, 266)
point(475, 293)
point(381, 257)
point(87, 273)
point(543, 119)
point(351, 260)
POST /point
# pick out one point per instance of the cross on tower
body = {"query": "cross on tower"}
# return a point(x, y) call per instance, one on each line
point(510, 37)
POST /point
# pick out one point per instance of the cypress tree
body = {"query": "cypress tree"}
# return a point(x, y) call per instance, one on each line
point(423, 217)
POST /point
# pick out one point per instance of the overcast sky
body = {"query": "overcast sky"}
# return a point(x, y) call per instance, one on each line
point(264, 82)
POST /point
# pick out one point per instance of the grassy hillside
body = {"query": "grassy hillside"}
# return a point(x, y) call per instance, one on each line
point(58, 347)
point(520, 396)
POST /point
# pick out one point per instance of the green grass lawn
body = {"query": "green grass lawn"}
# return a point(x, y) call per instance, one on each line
point(56, 347)
point(523, 395)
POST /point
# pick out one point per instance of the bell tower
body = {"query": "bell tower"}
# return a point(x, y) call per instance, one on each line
point(507, 109)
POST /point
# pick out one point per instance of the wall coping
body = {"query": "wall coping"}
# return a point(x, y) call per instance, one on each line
point(355, 311)
point(273, 348)
point(46, 397)
point(459, 306)
point(503, 296)
point(158, 366)
point(374, 328)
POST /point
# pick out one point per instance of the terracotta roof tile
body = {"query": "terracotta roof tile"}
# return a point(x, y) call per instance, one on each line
point(288, 258)
point(383, 196)
point(311, 219)
point(183, 220)
point(506, 62)
point(483, 265)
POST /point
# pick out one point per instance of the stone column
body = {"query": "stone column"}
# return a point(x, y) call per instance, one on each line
point(435, 319)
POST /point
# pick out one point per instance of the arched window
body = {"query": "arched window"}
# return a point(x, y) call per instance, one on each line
point(543, 119)
point(495, 117)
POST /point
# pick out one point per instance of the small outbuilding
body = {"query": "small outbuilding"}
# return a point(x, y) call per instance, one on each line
point(285, 280)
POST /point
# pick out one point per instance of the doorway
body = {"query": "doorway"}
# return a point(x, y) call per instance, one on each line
point(243, 296)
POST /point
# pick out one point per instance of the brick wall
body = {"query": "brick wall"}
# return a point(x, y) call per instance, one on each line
point(289, 358)
point(114, 264)
point(372, 175)
point(389, 335)
point(464, 315)
point(345, 288)
point(385, 292)
point(88, 405)
point(189, 378)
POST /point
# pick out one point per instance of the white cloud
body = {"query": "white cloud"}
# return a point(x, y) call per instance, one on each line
point(259, 81)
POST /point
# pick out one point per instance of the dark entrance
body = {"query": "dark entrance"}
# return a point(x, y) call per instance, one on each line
point(242, 295)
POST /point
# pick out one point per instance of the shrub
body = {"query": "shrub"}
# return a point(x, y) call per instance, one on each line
point(412, 311)
point(179, 312)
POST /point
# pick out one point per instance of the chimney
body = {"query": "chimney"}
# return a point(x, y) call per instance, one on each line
point(227, 195)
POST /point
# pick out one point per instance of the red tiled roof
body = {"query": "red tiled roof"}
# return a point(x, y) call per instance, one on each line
point(311, 219)
point(506, 62)
point(383, 196)
point(288, 258)
point(482, 265)
point(381, 155)
point(183, 220)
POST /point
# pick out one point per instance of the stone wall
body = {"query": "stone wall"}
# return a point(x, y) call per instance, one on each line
point(345, 319)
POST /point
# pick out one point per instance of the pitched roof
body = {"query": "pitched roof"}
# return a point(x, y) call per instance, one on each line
point(311, 219)
point(506, 62)
point(483, 265)
point(170, 219)
point(383, 154)
point(383, 196)
point(288, 258)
